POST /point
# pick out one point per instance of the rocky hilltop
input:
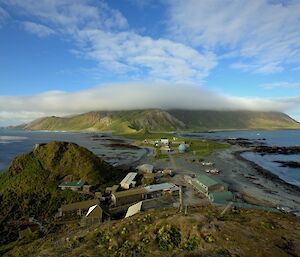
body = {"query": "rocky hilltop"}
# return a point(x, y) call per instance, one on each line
point(165, 120)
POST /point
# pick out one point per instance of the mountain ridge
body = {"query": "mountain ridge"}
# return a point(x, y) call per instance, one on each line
point(165, 120)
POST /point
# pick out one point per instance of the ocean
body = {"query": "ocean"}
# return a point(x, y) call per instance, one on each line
point(272, 138)
point(16, 142)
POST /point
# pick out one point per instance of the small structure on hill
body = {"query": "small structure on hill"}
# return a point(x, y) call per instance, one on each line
point(145, 168)
point(72, 185)
point(134, 209)
point(78, 208)
point(93, 216)
point(205, 184)
point(128, 181)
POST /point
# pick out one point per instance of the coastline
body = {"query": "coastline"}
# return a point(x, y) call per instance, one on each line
point(264, 172)
point(253, 183)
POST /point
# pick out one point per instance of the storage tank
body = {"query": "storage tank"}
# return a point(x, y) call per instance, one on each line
point(182, 148)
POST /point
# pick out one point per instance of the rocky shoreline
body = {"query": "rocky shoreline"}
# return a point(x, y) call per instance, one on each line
point(264, 172)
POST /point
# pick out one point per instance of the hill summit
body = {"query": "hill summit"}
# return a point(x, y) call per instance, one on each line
point(29, 188)
point(158, 120)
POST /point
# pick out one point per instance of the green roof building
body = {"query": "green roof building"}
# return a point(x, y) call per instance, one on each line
point(205, 184)
point(220, 197)
point(73, 185)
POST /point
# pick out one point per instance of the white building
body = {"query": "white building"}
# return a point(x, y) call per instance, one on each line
point(128, 181)
point(164, 141)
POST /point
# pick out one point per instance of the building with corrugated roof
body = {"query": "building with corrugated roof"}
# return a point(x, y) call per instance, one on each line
point(158, 190)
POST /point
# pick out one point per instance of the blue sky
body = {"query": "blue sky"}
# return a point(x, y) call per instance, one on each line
point(59, 57)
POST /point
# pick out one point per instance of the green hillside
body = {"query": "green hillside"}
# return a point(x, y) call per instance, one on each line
point(160, 120)
point(218, 120)
point(29, 187)
point(119, 121)
point(203, 232)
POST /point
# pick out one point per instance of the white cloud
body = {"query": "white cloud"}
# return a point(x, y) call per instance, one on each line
point(3, 15)
point(102, 34)
point(38, 29)
point(129, 52)
point(264, 34)
point(281, 85)
point(131, 96)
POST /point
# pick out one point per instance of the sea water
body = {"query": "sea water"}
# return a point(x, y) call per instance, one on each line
point(267, 161)
point(15, 142)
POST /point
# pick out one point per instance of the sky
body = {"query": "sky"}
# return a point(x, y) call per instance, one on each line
point(61, 57)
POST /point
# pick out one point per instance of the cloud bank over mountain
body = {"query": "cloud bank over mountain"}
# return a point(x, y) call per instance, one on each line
point(15, 109)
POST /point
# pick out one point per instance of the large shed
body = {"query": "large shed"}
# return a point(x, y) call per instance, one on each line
point(220, 197)
point(205, 184)
point(78, 207)
point(158, 190)
point(128, 196)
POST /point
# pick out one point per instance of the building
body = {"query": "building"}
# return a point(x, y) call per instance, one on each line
point(134, 209)
point(148, 178)
point(145, 168)
point(182, 148)
point(158, 190)
point(128, 196)
point(79, 207)
point(93, 216)
point(164, 141)
point(168, 172)
point(220, 197)
point(205, 184)
point(128, 181)
point(165, 149)
point(72, 185)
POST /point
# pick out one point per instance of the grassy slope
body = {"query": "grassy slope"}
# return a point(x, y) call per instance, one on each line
point(172, 120)
point(203, 232)
point(210, 120)
point(119, 121)
point(29, 187)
